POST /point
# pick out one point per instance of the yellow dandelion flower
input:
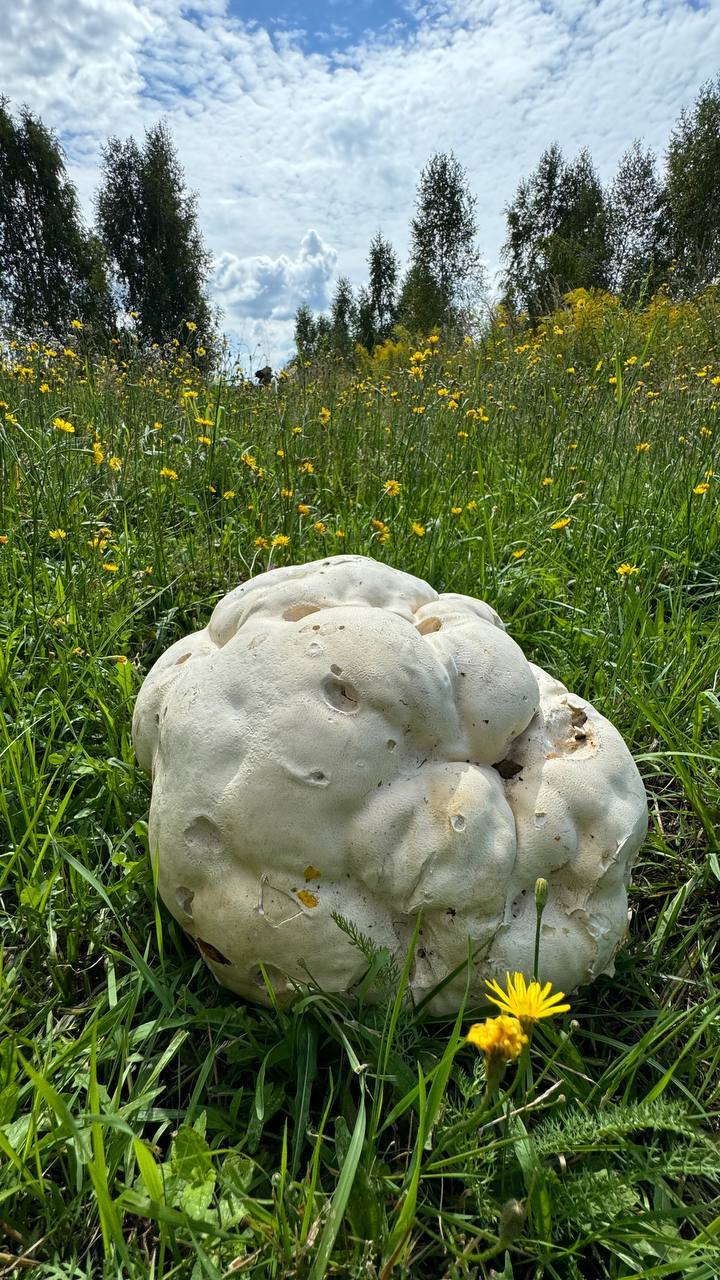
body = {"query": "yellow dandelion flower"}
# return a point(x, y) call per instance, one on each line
point(502, 1036)
point(625, 569)
point(518, 553)
point(463, 435)
point(44, 388)
point(320, 527)
point(69, 353)
point(418, 529)
point(561, 524)
point(303, 508)
point(115, 464)
point(324, 415)
point(280, 540)
point(279, 453)
point(61, 424)
point(110, 568)
point(547, 480)
point(97, 453)
point(262, 543)
point(168, 473)
point(456, 511)
point(307, 468)
point(705, 431)
point(57, 534)
point(702, 487)
point(228, 494)
point(76, 324)
point(286, 493)
point(4, 539)
point(392, 488)
point(642, 446)
point(339, 533)
point(204, 440)
point(190, 325)
point(526, 1002)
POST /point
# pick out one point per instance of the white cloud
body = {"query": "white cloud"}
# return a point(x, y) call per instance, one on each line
point(277, 139)
point(273, 288)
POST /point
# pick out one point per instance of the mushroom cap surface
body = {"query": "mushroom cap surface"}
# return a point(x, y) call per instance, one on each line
point(342, 739)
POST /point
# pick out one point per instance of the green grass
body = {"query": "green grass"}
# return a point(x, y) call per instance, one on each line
point(150, 1123)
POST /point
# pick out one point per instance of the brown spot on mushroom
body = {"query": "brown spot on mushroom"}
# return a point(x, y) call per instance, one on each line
point(307, 898)
point(183, 659)
point(311, 873)
point(297, 611)
point(428, 625)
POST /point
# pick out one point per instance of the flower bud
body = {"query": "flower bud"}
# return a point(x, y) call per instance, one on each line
point(541, 894)
point(512, 1220)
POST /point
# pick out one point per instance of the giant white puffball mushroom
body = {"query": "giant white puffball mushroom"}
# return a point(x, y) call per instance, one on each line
point(341, 738)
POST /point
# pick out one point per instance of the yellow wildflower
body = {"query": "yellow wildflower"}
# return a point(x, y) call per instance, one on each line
point(204, 440)
point(702, 487)
point(307, 468)
point(168, 473)
point(76, 324)
point(526, 1002)
point(561, 524)
point(61, 424)
point(280, 540)
point(303, 508)
point(115, 464)
point(286, 493)
point(518, 553)
point(262, 543)
point(626, 569)
point(502, 1036)
point(324, 415)
point(547, 480)
point(57, 534)
point(418, 529)
point(190, 325)
point(642, 447)
point(228, 494)
point(110, 568)
point(392, 488)
point(97, 453)
point(320, 527)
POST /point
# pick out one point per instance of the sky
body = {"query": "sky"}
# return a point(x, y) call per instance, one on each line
point(303, 126)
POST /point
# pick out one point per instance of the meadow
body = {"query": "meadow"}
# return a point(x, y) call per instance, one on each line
point(151, 1124)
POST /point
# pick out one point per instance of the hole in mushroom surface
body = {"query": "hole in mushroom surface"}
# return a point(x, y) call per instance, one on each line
point(336, 670)
point(184, 899)
point(210, 952)
point(577, 717)
point(428, 625)
point(340, 695)
point(508, 769)
point(457, 822)
point(318, 778)
point(391, 744)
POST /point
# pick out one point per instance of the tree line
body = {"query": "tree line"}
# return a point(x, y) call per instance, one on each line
point(144, 255)
point(564, 231)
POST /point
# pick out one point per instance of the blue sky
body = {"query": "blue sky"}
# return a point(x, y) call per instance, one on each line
point(330, 25)
point(303, 126)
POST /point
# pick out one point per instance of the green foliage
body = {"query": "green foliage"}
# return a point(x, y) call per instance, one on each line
point(693, 190)
point(151, 1124)
point(557, 233)
point(148, 225)
point(445, 275)
point(51, 270)
point(638, 226)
